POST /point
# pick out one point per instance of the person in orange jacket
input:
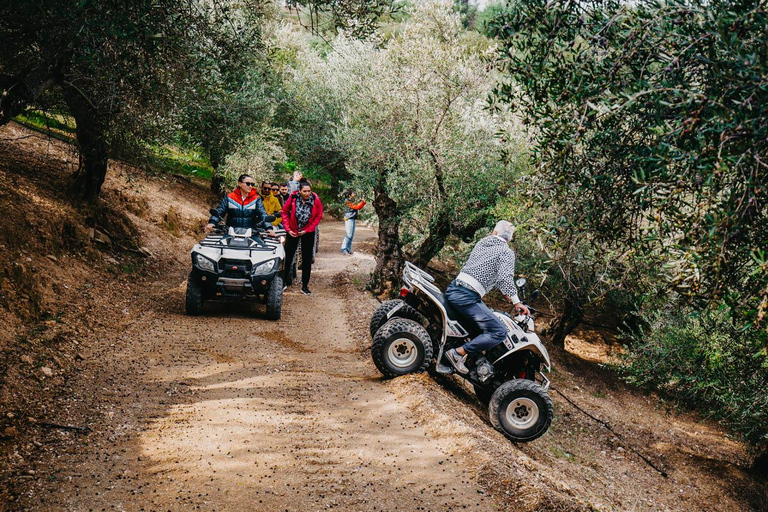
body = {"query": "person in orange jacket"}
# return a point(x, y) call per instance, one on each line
point(351, 211)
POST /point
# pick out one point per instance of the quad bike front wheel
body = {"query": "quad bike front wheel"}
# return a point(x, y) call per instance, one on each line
point(401, 346)
point(194, 300)
point(379, 317)
point(275, 298)
point(521, 410)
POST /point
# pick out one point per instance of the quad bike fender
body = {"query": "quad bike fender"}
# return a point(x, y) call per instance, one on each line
point(395, 309)
point(532, 343)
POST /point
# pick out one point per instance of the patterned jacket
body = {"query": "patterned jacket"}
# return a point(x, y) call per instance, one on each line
point(241, 213)
point(289, 214)
point(492, 263)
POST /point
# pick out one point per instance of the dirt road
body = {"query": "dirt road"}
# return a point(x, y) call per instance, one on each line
point(229, 411)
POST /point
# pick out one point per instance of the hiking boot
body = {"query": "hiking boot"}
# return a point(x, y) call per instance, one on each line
point(305, 290)
point(457, 361)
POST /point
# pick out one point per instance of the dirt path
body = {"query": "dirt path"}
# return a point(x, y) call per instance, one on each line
point(229, 411)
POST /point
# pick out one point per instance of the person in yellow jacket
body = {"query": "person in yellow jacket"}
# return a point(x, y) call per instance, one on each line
point(271, 203)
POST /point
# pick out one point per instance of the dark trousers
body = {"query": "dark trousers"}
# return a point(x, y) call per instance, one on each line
point(470, 306)
point(307, 246)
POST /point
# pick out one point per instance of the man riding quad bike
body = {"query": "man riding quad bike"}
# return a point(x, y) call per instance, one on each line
point(455, 332)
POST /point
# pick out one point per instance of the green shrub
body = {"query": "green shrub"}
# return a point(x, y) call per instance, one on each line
point(703, 362)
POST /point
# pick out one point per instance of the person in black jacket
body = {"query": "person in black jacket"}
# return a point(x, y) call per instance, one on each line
point(242, 206)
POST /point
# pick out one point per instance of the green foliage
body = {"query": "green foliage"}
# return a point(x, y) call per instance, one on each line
point(259, 154)
point(410, 121)
point(126, 71)
point(702, 361)
point(357, 18)
point(651, 133)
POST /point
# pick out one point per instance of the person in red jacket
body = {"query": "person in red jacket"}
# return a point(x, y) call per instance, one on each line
point(301, 215)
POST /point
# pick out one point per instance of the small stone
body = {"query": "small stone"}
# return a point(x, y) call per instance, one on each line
point(10, 432)
point(47, 371)
point(146, 252)
point(27, 359)
point(112, 260)
point(52, 258)
point(100, 237)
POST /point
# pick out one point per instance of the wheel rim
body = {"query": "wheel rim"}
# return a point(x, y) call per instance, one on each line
point(402, 352)
point(522, 413)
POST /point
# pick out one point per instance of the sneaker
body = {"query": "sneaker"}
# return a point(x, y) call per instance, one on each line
point(345, 253)
point(305, 290)
point(457, 361)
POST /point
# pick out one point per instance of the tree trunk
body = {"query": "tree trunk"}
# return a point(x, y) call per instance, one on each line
point(760, 464)
point(433, 244)
point(94, 146)
point(217, 182)
point(566, 322)
point(438, 236)
point(389, 257)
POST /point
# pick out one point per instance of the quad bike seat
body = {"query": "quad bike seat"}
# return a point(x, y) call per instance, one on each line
point(452, 313)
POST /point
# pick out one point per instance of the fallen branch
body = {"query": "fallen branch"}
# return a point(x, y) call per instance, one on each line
point(610, 429)
point(83, 430)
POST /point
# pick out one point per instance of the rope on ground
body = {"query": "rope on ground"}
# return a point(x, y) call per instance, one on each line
point(610, 429)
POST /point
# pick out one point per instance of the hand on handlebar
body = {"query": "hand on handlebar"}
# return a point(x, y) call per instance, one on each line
point(522, 309)
point(209, 228)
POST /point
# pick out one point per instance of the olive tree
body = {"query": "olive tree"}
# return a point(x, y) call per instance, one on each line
point(651, 130)
point(120, 68)
point(651, 135)
point(416, 133)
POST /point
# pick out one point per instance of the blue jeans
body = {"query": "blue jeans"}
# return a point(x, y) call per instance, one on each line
point(470, 306)
point(349, 225)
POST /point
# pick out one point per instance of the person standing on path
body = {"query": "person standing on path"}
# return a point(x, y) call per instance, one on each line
point(293, 184)
point(302, 213)
point(351, 211)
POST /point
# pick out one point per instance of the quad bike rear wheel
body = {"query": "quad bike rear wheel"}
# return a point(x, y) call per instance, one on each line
point(401, 346)
point(194, 300)
point(521, 410)
point(379, 317)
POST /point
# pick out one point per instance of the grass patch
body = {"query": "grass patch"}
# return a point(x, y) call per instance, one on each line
point(47, 121)
point(179, 160)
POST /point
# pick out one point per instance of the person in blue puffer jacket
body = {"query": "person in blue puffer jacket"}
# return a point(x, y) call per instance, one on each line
point(243, 207)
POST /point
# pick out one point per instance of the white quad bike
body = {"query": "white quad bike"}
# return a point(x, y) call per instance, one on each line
point(238, 264)
point(413, 333)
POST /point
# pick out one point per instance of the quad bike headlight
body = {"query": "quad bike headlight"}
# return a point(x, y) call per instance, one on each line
point(264, 268)
point(204, 263)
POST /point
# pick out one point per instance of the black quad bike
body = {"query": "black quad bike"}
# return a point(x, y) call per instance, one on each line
point(412, 334)
point(238, 264)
